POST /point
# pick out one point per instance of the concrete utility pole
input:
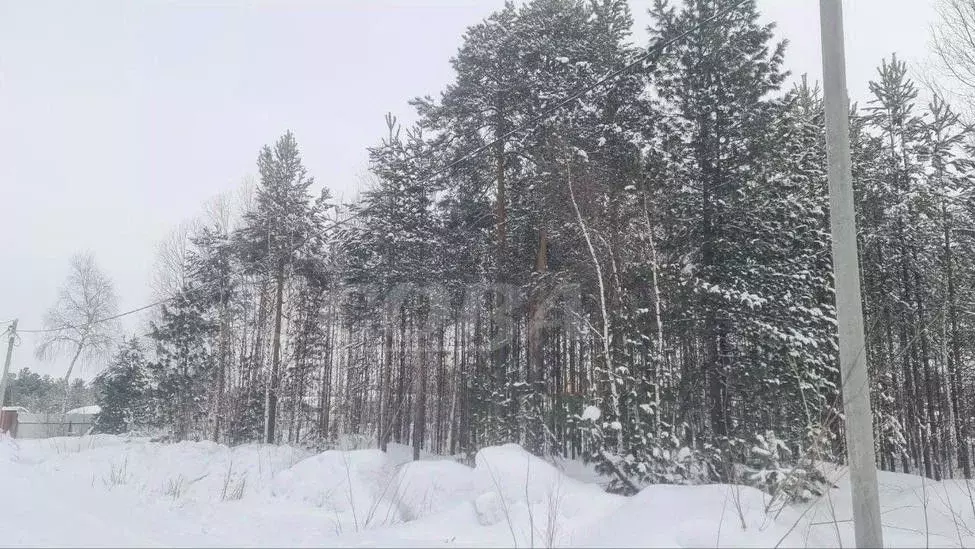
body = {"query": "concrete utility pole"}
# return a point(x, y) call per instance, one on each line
point(12, 331)
point(846, 272)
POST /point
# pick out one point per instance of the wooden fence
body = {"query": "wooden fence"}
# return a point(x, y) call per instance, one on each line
point(52, 425)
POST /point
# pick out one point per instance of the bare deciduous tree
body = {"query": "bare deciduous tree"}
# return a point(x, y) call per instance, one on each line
point(169, 273)
point(225, 210)
point(80, 323)
point(953, 42)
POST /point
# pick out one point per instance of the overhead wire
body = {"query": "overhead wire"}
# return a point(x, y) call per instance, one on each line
point(101, 320)
point(178, 294)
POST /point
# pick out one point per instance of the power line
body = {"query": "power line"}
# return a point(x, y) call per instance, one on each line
point(179, 293)
point(131, 311)
point(106, 319)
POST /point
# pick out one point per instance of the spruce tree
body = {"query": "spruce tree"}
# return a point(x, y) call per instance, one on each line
point(124, 391)
point(183, 369)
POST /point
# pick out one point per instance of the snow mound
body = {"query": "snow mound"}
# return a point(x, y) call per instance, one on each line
point(356, 485)
point(424, 488)
point(585, 473)
point(520, 477)
point(716, 515)
point(533, 500)
point(490, 509)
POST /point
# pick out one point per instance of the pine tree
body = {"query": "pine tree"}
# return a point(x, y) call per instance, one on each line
point(950, 169)
point(392, 262)
point(718, 85)
point(892, 114)
point(284, 223)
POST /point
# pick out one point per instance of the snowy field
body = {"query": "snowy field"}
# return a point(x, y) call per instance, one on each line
point(112, 491)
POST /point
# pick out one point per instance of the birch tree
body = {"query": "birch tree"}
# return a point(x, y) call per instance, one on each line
point(80, 324)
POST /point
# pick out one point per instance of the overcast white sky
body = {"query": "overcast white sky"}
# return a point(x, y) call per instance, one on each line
point(118, 119)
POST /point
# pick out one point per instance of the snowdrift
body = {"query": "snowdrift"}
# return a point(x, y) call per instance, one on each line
point(116, 491)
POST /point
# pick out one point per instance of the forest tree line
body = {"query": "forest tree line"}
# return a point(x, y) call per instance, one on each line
point(43, 394)
point(641, 278)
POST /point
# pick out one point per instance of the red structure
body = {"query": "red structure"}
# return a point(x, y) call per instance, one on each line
point(8, 422)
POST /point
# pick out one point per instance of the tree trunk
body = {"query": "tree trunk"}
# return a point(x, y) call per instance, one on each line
point(386, 377)
point(536, 325)
point(661, 376)
point(606, 331)
point(67, 377)
point(501, 209)
point(440, 434)
point(931, 415)
point(271, 399)
point(224, 350)
point(400, 379)
point(420, 417)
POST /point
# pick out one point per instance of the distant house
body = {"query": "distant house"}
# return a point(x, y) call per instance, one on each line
point(24, 424)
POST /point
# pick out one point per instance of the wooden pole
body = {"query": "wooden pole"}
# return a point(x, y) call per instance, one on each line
point(12, 332)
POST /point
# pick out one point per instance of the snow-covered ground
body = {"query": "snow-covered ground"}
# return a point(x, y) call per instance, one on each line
point(113, 491)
